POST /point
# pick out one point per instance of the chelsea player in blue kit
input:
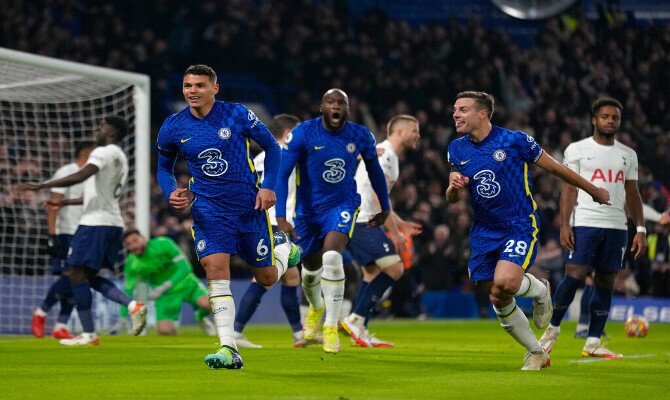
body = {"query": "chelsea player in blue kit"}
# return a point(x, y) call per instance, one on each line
point(229, 211)
point(326, 150)
point(495, 162)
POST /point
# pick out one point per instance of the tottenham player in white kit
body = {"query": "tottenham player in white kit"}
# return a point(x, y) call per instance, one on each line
point(594, 236)
point(98, 239)
point(370, 246)
point(61, 225)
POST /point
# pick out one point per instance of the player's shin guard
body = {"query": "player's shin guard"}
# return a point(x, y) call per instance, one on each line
point(311, 286)
point(282, 252)
point(84, 299)
point(223, 310)
point(289, 302)
point(516, 324)
point(108, 289)
point(332, 286)
point(248, 305)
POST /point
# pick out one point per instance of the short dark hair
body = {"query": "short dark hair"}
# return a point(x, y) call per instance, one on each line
point(201, 69)
point(81, 146)
point(119, 124)
point(397, 118)
point(281, 122)
point(482, 99)
point(605, 101)
point(131, 232)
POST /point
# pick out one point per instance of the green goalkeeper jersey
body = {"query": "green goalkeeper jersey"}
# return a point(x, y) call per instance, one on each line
point(162, 261)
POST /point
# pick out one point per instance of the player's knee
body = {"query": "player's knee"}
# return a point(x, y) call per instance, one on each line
point(578, 272)
point(165, 328)
point(267, 279)
point(291, 277)
point(506, 285)
point(332, 258)
point(392, 266)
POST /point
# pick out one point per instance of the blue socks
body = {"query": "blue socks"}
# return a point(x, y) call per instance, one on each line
point(584, 314)
point(108, 289)
point(58, 290)
point(600, 310)
point(289, 302)
point(83, 299)
point(563, 296)
point(372, 293)
point(248, 305)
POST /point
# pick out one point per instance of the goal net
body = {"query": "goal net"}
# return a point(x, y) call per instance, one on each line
point(47, 107)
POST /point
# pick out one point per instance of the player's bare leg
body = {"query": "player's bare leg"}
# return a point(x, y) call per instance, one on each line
point(506, 283)
point(217, 268)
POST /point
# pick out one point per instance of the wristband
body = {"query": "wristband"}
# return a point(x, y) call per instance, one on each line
point(641, 229)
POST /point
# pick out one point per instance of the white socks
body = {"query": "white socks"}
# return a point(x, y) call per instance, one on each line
point(282, 252)
point(223, 310)
point(333, 286)
point(531, 287)
point(516, 324)
point(311, 286)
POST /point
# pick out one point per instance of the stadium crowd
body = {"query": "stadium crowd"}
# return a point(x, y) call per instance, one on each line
point(387, 67)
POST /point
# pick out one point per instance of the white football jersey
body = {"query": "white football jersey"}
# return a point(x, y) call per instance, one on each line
point(604, 166)
point(67, 219)
point(389, 162)
point(259, 163)
point(103, 190)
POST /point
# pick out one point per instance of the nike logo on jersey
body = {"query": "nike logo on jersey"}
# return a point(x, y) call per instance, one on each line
point(590, 158)
point(319, 147)
point(260, 259)
point(514, 255)
point(464, 162)
point(186, 140)
point(342, 225)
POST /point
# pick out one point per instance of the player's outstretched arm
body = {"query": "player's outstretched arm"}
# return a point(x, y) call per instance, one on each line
point(87, 171)
point(457, 181)
point(600, 195)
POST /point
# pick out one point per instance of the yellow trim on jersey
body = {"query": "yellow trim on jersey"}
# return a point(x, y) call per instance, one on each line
point(353, 222)
point(192, 233)
point(532, 243)
point(249, 160)
point(272, 237)
point(526, 178)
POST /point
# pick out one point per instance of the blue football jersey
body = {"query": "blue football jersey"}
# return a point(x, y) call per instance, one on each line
point(216, 150)
point(326, 165)
point(499, 171)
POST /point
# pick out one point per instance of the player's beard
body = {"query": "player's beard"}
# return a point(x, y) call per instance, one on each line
point(607, 133)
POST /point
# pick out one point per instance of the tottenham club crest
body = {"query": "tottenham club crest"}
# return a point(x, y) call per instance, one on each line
point(224, 133)
point(499, 155)
point(351, 147)
point(201, 245)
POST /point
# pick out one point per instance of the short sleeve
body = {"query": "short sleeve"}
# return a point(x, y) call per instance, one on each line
point(529, 149)
point(99, 157)
point(571, 158)
point(632, 173)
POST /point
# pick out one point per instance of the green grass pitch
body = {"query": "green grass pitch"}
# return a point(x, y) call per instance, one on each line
point(432, 360)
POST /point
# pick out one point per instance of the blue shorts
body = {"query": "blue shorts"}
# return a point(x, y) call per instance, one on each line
point(95, 247)
point(248, 236)
point(489, 245)
point(58, 262)
point(601, 249)
point(312, 229)
point(367, 244)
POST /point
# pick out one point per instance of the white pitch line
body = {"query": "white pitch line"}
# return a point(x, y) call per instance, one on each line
point(596, 359)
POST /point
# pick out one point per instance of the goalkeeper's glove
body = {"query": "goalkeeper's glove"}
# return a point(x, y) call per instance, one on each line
point(53, 246)
point(159, 290)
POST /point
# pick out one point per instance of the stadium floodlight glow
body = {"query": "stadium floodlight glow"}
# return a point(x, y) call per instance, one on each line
point(533, 9)
point(47, 106)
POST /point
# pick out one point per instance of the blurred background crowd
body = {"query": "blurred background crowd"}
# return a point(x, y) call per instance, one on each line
point(286, 54)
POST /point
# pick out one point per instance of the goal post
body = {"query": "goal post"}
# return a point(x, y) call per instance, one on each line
point(47, 106)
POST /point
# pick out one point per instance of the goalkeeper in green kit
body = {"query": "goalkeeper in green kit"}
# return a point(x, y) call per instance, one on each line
point(160, 263)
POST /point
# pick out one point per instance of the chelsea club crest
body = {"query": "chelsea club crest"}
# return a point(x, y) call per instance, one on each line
point(200, 246)
point(499, 155)
point(224, 133)
point(351, 147)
